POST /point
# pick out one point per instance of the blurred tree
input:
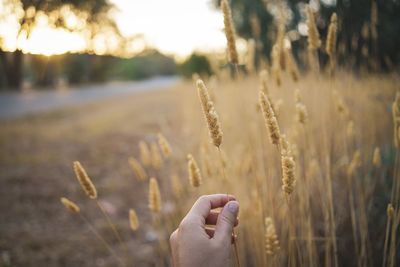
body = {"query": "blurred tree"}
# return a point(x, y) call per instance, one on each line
point(94, 12)
point(196, 64)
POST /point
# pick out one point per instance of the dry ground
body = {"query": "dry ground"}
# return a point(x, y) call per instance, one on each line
point(36, 170)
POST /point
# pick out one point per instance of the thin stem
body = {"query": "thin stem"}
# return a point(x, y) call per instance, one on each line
point(233, 230)
point(112, 226)
point(105, 243)
point(386, 242)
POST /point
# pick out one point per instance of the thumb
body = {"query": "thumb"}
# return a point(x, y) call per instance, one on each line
point(226, 221)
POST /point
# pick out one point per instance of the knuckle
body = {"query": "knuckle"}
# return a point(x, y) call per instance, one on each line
point(203, 198)
point(172, 237)
point(227, 219)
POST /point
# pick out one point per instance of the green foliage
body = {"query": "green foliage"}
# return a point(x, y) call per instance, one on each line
point(85, 68)
point(195, 64)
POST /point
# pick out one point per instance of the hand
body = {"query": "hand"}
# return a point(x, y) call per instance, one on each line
point(195, 246)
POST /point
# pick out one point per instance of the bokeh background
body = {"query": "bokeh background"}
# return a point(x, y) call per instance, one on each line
point(88, 80)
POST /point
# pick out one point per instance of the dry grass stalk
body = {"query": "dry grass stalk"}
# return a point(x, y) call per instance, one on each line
point(71, 206)
point(264, 81)
point(291, 64)
point(377, 158)
point(164, 145)
point(194, 172)
point(210, 114)
point(156, 159)
point(138, 169)
point(271, 238)
point(145, 156)
point(133, 220)
point(84, 180)
point(229, 32)
point(396, 120)
point(331, 43)
point(155, 203)
point(331, 38)
point(270, 119)
point(251, 55)
point(276, 66)
point(313, 35)
point(313, 41)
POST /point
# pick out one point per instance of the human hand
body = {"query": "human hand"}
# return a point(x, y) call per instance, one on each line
point(195, 246)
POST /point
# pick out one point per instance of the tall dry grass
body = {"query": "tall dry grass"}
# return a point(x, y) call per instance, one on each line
point(309, 157)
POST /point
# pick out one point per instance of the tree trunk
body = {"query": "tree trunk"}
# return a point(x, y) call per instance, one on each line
point(12, 64)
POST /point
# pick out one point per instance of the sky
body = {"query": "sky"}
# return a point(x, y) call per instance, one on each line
point(175, 27)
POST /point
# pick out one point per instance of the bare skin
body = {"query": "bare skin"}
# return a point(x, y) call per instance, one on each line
point(194, 245)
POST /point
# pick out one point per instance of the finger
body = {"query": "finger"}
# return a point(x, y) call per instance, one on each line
point(206, 203)
point(226, 221)
point(212, 218)
point(211, 231)
point(174, 247)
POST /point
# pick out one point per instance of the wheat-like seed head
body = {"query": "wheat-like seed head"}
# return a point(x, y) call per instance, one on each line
point(313, 35)
point(155, 203)
point(270, 118)
point(331, 39)
point(271, 238)
point(84, 180)
point(138, 169)
point(390, 211)
point(194, 172)
point(211, 116)
point(288, 173)
point(164, 145)
point(145, 156)
point(377, 159)
point(229, 32)
point(156, 159)
point(133, 220)
point(354, 164)
point(71, 206)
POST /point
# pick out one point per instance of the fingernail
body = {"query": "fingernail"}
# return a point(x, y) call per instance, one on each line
point(233, 207)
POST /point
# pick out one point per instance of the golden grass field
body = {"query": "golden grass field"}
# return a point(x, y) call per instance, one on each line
point(336, 213)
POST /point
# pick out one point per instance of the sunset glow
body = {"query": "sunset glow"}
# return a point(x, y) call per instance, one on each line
point(176, 27)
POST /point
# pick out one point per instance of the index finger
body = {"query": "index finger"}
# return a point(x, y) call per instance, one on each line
point(206, 203)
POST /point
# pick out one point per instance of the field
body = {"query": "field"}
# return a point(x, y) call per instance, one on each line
point(335, 214)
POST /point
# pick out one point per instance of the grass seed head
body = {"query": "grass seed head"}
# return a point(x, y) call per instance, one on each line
point(194, 172)
point(211, 116)
point(71, 206)
point(229, 32)
point(138, 169)
point(84, 180)
point(154, 196)
point(270, 118)
point(164, 146)
point(133, 220)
